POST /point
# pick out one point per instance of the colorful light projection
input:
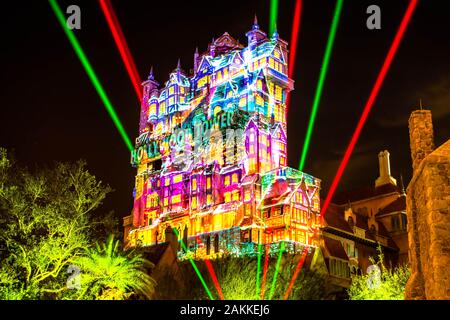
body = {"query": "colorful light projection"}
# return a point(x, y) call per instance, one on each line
point(211, 155)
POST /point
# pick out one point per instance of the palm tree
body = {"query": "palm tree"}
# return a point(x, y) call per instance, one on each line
point(108, 273)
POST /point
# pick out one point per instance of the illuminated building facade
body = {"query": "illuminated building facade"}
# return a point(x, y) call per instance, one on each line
point(211, 155)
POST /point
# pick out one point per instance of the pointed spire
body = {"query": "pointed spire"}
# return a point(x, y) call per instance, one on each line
point(178, 64)
point(150, 75)
point(196, 60)
point(275, 33)
point(255, 23)
point(349, 205)
point(420, 101)
point(402, 186)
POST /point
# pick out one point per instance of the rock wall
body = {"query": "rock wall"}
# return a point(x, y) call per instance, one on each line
point(428, 203)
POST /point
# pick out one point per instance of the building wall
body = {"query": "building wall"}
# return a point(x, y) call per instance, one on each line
point(428, 204)
point(429, 227)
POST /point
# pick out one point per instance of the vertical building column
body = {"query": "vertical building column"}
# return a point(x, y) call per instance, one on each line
point(420, 136)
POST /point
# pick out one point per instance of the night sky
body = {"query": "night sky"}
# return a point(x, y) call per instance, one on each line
point(51, 112)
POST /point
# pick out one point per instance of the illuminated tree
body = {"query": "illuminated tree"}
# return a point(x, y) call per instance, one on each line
point(380, 283)
point(108, 273)
point(46, 221)
point(237, 279)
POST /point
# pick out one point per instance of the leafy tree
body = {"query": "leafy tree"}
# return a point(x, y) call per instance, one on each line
point(108, 273)
point(46, 221)
point(237, 279)
point(380, 283)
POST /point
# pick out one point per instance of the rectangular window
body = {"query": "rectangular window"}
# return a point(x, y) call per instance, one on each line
point(194, 184)
point(208, 183)
point(171, 90)
point(167, 183)
point(208, 199)
point(271, 63)
point(243, 102)
point(166, 202)
point(178, 178)
point(235, 178)
point(227, 180)
point(176, 199)
point(201, 82)
point(259, 100)
point(247, 195)
point(235, 195)
point(259, 84)
point(194, 202)
point(171, 101)
point(278, 92)
point(252, 165)
point(153, 108)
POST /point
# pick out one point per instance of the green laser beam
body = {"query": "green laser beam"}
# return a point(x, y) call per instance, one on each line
point(91, 74)
point(183, 245)
point(320, 84)
point(273, 16)
point(258, 272)
point(277, 269)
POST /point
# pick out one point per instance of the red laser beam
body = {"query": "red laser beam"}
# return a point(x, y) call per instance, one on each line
point(294, 35)
point(123, 40)
point(266, 266)
point(214, 278)
point(294, 38)
point(373, 95)
point(213, 274)
point(296, 272)
point(122, 45)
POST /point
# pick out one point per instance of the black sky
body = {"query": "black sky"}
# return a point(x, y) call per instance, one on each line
point(51, 112)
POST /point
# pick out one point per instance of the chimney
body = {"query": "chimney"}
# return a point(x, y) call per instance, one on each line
point(385, 170)
point(420, 136)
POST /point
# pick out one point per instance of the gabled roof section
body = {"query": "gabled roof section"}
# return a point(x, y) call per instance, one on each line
point(364, 193)
point(263, 49)
point(205, 62)
point(397, 205)
point(335, 218)
point(226, 43)
point(278, 128)
point(335, 248)
point(236, 58)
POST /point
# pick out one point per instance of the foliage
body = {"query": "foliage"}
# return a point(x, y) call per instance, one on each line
point(385, 284)
point(237, 279)
point(108, 273)
point(47, 219)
